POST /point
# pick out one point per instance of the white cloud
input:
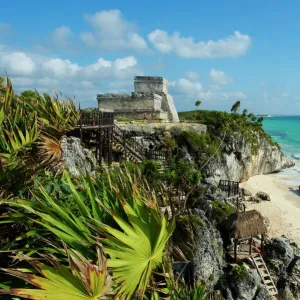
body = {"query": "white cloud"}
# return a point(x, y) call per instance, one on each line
point(46, 74)
point(61, 37)
point(192, 75)
point(59, 68)
point(17, 63)
point(219, 77)
point(22, 81)
point(187, 87)
point(234, 45)
point(285, 94)
point(124, 63)
point(263, 83)
point(89, 39)
point(265, 97)
point(112, 32)
point(87, 84)
point(186, 92)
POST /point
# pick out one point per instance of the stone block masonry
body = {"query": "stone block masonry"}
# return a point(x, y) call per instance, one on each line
point(150, 99)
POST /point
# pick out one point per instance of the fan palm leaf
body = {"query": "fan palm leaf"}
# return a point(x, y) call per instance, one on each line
point(81, 281)
point(137, 249)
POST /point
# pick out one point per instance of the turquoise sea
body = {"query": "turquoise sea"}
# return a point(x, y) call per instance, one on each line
point(286, 131)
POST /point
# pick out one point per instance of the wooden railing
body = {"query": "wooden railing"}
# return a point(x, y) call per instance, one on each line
point(230, 187)
point(129, 143)
point(98, 118)
point(156, 155)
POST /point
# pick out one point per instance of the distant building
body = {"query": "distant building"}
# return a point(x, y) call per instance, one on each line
point(150, 100)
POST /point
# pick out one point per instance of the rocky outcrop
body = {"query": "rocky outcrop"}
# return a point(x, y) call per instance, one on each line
point(159, 129)
point(238, 162)
point(282, 257)
point(208, 260)
point(77, 159)
point(263, 196)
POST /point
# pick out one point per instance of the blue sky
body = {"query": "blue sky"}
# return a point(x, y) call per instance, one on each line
point(214, 51)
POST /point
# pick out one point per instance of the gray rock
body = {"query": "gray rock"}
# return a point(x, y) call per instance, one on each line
point(246, 287)
point(263, 294)
point(246, 192)
point(263, 196)
point(77, 159)
point(283, 260)
point(279, 254)
point(238, 163)
point(208, 260)
point(211, 181)
point(254, 199)
point(161, 128)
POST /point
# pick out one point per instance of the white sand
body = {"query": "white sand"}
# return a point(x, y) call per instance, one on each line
point(283, 211)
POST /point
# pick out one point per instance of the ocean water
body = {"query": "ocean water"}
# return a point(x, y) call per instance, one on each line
point(286, 131)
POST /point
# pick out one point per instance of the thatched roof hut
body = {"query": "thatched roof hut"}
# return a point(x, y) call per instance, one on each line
point(244, 224)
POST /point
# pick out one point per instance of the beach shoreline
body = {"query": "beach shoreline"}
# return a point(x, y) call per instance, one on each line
point(282, 213)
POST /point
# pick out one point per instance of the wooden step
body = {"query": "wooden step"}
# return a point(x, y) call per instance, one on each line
point(268, 281)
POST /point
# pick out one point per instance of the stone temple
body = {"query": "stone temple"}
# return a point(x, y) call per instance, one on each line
point(149, 100)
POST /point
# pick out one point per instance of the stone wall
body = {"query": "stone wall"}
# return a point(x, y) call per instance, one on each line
point(135, 101)
point(150, 84)
point(150, 96)
point(128, 115)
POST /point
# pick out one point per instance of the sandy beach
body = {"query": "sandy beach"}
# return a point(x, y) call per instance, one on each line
point(283, 211)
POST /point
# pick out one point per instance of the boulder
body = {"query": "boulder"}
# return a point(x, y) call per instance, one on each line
point(263, 196)
point(77, 159)
point(243, 287)
point(279, 254)
point(283, 260)
point(246, 193)
point(207, 261)
point(254, 199)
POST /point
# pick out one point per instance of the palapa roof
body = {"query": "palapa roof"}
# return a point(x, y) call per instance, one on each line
point(245, 224)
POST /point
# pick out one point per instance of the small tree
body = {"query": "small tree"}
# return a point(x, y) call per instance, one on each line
point(252, 117)
point(197, 104)
point(236, 106)
point(260, 120)
point(245, 112)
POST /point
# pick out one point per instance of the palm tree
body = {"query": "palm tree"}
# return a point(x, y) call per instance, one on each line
point(245, 112)
point(260, 120)
point(197, 104)
point(236, 106)
point(252, 117)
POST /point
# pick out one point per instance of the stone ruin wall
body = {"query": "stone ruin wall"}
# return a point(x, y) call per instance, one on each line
point(150, 97)
point(129, 102)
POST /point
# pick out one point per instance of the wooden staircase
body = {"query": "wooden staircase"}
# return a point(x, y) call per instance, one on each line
point(131, 150)
point(264, 274)
point(130, 155)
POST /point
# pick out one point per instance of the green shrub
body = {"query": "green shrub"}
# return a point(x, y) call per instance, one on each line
point(222, 210)
point(204, 145)
point(232, 123)
point(240, 272)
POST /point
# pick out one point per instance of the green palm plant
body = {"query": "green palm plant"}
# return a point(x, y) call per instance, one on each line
point(82, 280)
point(236, 106)
point(122, 214)
point(137, 249)
point(30, 125)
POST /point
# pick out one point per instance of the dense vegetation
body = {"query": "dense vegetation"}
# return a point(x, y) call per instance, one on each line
point(100, 237)
point(233, 124)
point(113, 235)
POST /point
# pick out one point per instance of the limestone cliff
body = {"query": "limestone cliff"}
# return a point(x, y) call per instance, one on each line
point(237, 160)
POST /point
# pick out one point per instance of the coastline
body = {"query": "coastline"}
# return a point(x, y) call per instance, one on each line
point(282, 213)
